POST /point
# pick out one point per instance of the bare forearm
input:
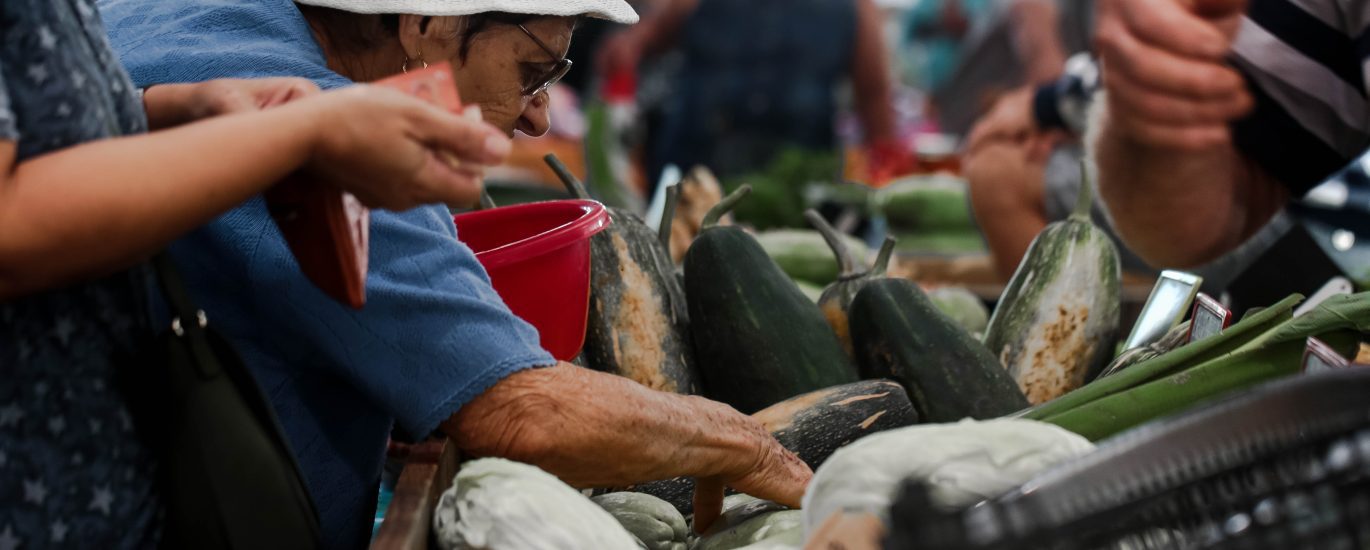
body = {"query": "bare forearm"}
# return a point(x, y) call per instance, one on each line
point(871, 74)
point(1181, 208)
point(98, 207)
point(593, 429)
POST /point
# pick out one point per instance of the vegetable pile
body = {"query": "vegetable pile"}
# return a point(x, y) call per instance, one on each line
point(868, 378)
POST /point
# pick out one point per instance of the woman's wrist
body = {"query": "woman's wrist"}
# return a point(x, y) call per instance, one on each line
point(167, 105)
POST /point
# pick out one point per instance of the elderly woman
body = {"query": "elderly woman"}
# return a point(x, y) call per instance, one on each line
point(434, 348)
point(94, 178)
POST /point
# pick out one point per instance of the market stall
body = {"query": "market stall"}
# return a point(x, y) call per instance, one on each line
point(921, 391)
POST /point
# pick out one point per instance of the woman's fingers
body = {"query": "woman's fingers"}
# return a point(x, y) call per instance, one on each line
point(1139, 100)
point(468, 139)
point(779, 476)
point(1172, 27)
point(1163, 70)
point(708, 503)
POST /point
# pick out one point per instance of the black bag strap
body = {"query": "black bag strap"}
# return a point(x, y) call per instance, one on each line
point(187, 321)
point(217, 365)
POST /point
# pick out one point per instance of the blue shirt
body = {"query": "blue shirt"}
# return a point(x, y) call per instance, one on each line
point(433, 335)
point(72, 469)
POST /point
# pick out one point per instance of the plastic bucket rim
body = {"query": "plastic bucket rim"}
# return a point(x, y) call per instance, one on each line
point(593, 219)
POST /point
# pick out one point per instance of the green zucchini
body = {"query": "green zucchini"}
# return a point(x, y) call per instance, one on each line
point(961, 306)
point(638, 324)
point(1056, 324)
point(804, 255)
point(949, 375)
point(927, 204)
point(836, 298)
point(814, 426)
point(758, 340)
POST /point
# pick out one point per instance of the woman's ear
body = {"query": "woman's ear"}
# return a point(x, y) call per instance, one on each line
point(431, 38)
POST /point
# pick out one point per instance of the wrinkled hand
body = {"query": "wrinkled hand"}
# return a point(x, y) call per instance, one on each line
point(396, 152)
point(1163, 65)
point(760, 467)
point(170, 105)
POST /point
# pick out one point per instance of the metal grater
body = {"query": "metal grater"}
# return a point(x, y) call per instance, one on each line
point(1285, 466)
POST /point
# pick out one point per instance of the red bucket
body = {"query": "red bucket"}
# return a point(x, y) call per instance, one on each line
point(538, 258)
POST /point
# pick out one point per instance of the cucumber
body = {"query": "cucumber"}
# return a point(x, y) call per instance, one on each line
point(638, 324)
point(837, 297)
point(961, 306)
point(805, 255)
point(927, 204)
point(1057, 322)
point(758, 340)
point(949, 375)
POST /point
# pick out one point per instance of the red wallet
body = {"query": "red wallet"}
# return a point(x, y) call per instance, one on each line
point(327, 229)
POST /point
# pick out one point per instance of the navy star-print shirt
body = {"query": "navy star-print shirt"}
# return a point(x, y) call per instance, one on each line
point(72, 471)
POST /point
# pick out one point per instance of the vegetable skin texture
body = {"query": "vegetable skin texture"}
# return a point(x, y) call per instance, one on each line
point(637, 326)
point(1276, 353)
point(837, 297)
point(497, 504)
point(900, 335)
point(654, 522)
point(1057, 322)
point(1245, 331)
point(758, 340)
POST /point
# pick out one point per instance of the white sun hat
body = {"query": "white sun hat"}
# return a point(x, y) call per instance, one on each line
point(617, 11)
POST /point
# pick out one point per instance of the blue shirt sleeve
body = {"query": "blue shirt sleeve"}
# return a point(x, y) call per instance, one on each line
point(433, 334)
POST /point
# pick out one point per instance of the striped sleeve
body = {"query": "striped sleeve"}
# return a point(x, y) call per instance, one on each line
point(8, 129)
point(1305, 66)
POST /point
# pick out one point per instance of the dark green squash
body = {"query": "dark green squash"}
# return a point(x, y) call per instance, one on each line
point(814, 426)
point(638, 324)
point(836, 298)
point(899, 334)
point(758, 340)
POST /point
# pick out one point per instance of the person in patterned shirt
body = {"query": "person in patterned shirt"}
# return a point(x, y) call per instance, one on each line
point(86, 194)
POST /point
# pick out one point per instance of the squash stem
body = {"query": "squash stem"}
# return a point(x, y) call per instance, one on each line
point(668, 217)
point(839, 248)
point(882, 260)
point(573, 184)
point(725, 206)
point(486, 203)
point(1084, 202)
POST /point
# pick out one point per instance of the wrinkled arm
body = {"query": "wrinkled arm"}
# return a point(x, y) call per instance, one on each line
point(1181, 207)
point(596, 430)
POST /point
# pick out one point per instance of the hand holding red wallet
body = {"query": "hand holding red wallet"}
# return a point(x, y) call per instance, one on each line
point(396, 145)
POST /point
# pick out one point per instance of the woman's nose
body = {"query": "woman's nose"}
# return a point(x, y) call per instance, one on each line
point(536, 118)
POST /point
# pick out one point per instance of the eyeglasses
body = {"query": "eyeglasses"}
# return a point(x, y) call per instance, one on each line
point(553, 75)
